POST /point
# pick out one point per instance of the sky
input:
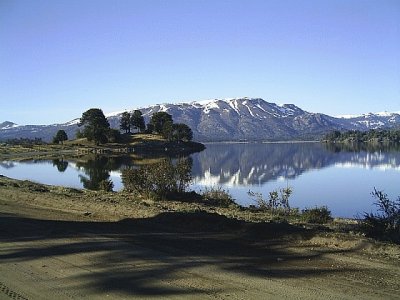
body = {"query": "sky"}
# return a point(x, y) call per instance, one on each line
point(60, 58)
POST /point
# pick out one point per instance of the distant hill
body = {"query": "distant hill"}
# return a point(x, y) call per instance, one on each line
point(247, 119)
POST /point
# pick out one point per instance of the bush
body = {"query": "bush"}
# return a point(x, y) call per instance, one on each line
point(217, 196)
point(317, 215)
point(106, 185)
point(160, 180)
point(276, 202)
point(385, 224)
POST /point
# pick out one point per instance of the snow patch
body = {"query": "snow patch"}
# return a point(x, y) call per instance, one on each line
point(73, 122)
point(233, 104)
point(372, 124)
point(248, 108)
point(261, 108)
point(9, 126)
point(285, 111)
point(384, 114)
point(163, 107)
point(115, 113)
point(348, 116)
point(209, 106)
point(368, 115)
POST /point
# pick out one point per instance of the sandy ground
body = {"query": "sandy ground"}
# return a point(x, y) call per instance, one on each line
point(64, 244)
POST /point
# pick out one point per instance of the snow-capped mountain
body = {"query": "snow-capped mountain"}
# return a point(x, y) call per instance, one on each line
point(373, 120)
point(245, 119)
point(7, 125)
point(251, 119)
point(10, 130)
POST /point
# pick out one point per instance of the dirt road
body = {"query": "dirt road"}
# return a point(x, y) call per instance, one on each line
point(49, 253)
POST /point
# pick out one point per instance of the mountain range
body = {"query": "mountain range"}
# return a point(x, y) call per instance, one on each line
point(238, 119)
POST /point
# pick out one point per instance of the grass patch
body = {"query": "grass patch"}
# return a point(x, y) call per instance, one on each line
point(316, 215)
point(217, 196)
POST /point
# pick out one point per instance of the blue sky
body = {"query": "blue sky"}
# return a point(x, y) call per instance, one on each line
point(60, 58)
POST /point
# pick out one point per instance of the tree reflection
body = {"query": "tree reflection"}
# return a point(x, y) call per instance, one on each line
point(96, 171)
point(7, 164)
point(98, 168)
point(61, 164)
point(359, 147)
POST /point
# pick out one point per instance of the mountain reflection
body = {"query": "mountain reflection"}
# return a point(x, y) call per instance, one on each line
point(256, 164)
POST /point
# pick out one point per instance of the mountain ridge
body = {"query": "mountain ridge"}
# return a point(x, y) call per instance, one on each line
point(232, 119)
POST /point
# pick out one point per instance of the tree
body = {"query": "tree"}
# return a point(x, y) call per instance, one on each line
point(60, 136)
point(125, 122)
point(181, 132)
point(183, 173)
point(167, 131)
point(285, 195)
point(159, 121)
point(79, 134)
point(96, 125)
point(137, 121)
point(150, 128)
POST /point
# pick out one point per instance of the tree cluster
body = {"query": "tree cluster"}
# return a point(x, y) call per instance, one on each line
point(132, 121)
point(25, 141)
point(97, 128)
point(357, 136)
point(160, 123)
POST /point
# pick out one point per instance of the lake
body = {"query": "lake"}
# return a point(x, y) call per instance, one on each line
point(338, 177)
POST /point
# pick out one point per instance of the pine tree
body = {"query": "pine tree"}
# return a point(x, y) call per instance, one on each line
point(60, 136)
point(159, 120)
point(96, 125)
point(181, 132)
point(137, 121)
point(125, 122)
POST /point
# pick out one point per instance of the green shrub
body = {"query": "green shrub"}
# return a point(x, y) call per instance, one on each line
point(385, 224)
point(217, 196)
point(261, 202)
point(106, 185)
point(317, 215)
point(277, 202)
point(160, 180)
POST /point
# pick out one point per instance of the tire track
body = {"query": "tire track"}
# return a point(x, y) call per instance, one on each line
point(10, 293)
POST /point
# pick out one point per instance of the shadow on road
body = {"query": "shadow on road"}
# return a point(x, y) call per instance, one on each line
point(162, 255)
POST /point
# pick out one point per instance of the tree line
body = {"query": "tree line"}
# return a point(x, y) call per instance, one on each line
point(373, 135)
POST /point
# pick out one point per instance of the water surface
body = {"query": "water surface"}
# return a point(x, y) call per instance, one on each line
point(340, 178)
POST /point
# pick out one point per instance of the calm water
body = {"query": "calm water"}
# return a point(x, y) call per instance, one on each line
point(341, 179)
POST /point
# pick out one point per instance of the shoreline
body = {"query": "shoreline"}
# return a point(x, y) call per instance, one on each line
point(263, 142)
point(235, 211)
point(145, 145)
